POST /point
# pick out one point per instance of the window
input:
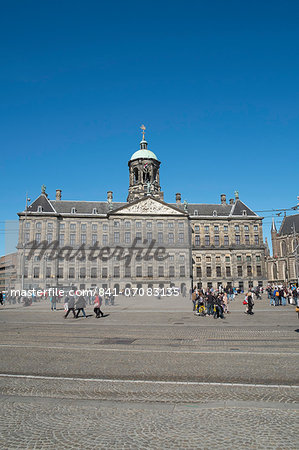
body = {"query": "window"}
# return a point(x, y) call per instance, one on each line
point(182, 271)
point(182, 258)
point(206, 228)
point(170, 238)
point(258, 258)
point(240, 271)
point(139, 271)
point(105, 239)
point(218, 259)
point(116, 237)
point(72, 226)
point(228, 271)
point(196, 228)
point(39, 209)
point(198, 272)
point(83, 238)
point(226, 240)
point(116, 272)
point(160, 225)
point(104, 272)
point(181, 238)
point(239, 258)
point(207, 239)
point(25, 272)
point(94, 238)
point(72, 239)
point(50, 225)
point(208, 259)
point(217, 243)
point(214, 213)
point(198, 258)
point(148, 224)
point(160, 271)
point(248, 258)
point(160, 237)
point(216, 228)
point(237, 237)
point(170, 224)
point(209, 271)
point(197, 240)
point(39, 225)
point(36, 272)
point(94, 210)
point(150, 271)
point(27, 237)
point(94, 227)
point(127, 224)
point(73, 211)
point(256, 239)
point(49, 237)
point(93, 272)
point(60, 272)
point(246, 228)
point(244, 212)
point(218, 271)
point(225, 228)
point(138, 224)
point(149, 236)
point(196, 212)
point(255, 227)
point(38, 237)
point(83, 226)
point(181, 225)
point(227, 259)
point(71, 272)
point(138, 235)
point(171, 257)
point(116, 223)
point(258, 271)
point(171, 271)
point(48, 272)
point(237, 228)
point(61, 239)
point(127, 272)
point(247, 239)
point(27, 224)
point(128, 237)
point(249, 271)
point(105, 226)
point(82, 272)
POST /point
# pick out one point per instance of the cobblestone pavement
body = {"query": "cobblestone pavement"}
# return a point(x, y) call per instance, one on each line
point(140, 379)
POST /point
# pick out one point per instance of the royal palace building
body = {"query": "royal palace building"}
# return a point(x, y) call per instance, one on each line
point(143, 242)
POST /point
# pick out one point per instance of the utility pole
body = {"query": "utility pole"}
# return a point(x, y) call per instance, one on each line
point(296, 254)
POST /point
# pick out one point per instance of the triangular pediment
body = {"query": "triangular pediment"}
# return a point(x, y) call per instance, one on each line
point(150, 206)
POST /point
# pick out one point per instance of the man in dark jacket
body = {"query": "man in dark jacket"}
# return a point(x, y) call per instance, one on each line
point(80, 305)
point(250, 303)
point(70, 306)
point(210, 304)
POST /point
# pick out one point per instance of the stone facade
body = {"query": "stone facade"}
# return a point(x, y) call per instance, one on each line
point(8, 271)
point(88, 243)
point(283, 266)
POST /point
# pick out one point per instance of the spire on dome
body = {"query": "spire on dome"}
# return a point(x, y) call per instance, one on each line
point(273, 227)
point(143, 143)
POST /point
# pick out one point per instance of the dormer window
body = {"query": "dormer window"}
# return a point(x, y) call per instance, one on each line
point(214, 213)
point(196, 212)
point(73, 211)
point(94, 211)
point(244, 212)
point(39, 209)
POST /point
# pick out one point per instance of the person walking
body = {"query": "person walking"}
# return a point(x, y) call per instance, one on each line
point(250, 303)
point(1, 298)
point(97, 307)
point(70, 307)
point(80, 305)
point(53, 301)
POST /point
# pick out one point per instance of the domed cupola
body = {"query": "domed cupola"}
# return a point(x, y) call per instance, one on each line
point(144, 173)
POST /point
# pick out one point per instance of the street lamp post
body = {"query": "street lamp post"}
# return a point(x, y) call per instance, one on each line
point(23, 239)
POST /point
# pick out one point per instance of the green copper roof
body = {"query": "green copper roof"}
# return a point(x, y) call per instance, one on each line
point(143, 154)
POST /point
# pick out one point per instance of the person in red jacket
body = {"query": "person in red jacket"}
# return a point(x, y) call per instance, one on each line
point(97, 307)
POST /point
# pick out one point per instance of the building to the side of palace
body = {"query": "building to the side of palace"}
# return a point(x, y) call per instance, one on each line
point(206, 244)
point(283, 266)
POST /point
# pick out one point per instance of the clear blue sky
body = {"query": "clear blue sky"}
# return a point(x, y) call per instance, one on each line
point(215, 82)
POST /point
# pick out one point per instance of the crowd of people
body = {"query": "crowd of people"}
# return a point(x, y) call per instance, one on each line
point(281, 295)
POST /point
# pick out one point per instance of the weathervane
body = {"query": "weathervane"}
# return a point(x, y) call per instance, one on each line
point(143, 131)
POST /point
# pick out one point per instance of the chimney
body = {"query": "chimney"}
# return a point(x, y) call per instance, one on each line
point(58, 194)
point(223, 199)
point(231, 201)
point(178, 198)
point(109, 196)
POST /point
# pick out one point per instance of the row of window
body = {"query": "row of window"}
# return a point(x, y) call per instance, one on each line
point(95, 273)
point(216, 242)
point(225, 228)
point(116, 224)
point(128, 238)
point(219, 273)
point(228, 258)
